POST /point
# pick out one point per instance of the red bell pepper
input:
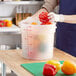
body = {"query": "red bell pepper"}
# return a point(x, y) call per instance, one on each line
point(49, 70)
point(43, 17)
point(2, 23)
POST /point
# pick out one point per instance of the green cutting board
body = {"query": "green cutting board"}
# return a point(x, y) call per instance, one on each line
point(37, 69)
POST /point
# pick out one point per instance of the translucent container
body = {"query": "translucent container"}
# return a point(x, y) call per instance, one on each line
point(37, 41)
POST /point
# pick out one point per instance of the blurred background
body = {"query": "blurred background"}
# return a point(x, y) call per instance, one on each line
point(15, 11)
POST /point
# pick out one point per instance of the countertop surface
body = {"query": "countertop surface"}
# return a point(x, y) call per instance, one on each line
point(14, 28)
point(13, 59)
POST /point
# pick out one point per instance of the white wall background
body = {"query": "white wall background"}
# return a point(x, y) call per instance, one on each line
point(7, 10)
point(10, 10)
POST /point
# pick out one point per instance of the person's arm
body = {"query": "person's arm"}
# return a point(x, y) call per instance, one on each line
point(70, 19)
point(62, 18)
point(48, 6)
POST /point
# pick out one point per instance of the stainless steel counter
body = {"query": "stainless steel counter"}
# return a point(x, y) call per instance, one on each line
point(23, 2)
point(13, 29)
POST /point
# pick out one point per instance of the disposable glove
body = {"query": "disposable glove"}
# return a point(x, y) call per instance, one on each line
point(56, 17)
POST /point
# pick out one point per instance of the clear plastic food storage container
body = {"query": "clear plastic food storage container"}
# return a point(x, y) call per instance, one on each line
point(37, 41)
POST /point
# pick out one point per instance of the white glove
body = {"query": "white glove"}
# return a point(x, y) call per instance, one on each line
point(56, 17)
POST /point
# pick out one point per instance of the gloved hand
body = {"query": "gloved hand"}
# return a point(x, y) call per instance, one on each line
point(56, 17)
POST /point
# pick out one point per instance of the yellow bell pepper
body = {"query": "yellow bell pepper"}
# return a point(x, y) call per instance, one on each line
point(55, 63)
